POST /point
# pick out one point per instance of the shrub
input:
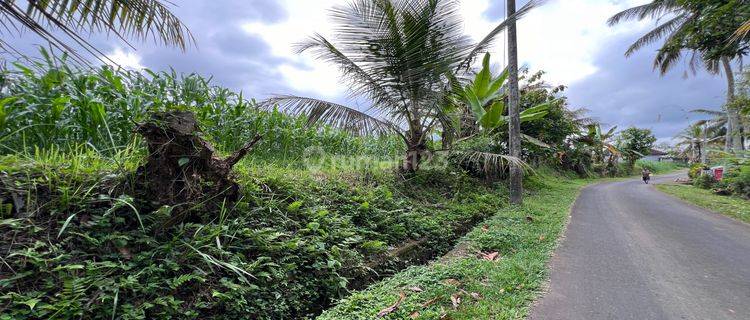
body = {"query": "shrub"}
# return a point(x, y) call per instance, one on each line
point(696, 169)
point(740, 184)
point(704, 181)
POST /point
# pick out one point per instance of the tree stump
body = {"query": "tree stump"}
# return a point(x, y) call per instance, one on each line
point(182, 169)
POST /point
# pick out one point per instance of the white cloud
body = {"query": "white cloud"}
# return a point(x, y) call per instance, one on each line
point(127, 60)
point(561, 38)
point(302, 72)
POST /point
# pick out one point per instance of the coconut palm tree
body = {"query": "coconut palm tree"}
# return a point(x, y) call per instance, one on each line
point(742, 31)
point(680, 19)
point(64, 23)
point(514, 125)
point(398, 56)
point(691, 140)
point(695, 139)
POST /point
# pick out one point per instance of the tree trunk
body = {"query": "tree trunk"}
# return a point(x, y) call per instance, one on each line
point(734, 139)
point(695, 152)
point(412, 159)
point(514, 125)
point(701, 143)
point(182, 169)
point(728, 134)
point(415, 148)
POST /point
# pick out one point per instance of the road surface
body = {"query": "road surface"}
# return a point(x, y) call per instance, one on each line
point(631, 252)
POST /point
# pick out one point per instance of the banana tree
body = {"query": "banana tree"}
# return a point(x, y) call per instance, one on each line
point(604, 152)
point(485, 96)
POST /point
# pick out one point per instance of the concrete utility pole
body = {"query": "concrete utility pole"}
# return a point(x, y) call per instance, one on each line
point(514, 125)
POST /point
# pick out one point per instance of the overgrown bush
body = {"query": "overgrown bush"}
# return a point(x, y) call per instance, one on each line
point(696, 170)
point(577, 158)
point(704, 181)
point(740, 184)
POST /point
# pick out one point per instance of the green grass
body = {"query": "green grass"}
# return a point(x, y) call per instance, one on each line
point(500, 289)
point(730, 206)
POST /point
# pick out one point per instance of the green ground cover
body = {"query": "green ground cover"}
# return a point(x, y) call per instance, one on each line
point(731, 206)
point(296, 240)
point(468, 285)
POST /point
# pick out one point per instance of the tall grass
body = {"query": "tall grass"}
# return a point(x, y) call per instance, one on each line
point(49, 102)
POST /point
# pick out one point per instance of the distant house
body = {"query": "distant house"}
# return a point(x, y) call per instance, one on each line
point(655, 155)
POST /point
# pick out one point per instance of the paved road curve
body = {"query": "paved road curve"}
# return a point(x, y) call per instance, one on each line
point(631, 252)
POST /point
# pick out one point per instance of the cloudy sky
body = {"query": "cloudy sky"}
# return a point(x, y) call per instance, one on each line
point(247, 45)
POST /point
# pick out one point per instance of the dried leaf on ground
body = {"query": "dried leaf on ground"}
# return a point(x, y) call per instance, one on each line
point(393, 307)
point(452, 282)
point(430, 302)
point(485, 228)
point(489, 256)
point(125, 252)
point(414, 315)
point(542, 237)
point(476, 296)
point(455, 300)
point(416, 289)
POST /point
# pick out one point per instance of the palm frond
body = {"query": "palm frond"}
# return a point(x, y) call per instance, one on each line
point(489, 163)
point(711, 65)
point(741, 32)
point(406, 45)
point(335, 115)
point(534, 141)
point(665, 59)
point(360, 82)
point(139, 19)
point(670, 52)
point(701, 122)
point(655, 9)
point(716, 113)
point(580, 117)
point(657, 33)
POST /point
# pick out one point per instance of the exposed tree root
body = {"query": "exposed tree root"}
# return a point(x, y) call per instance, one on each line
point(182, 169)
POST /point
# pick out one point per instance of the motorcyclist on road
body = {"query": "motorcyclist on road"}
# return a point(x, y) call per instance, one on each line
point(646, 175)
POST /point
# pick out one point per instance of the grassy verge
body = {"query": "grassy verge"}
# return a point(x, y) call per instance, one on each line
point(468, 286)
point(730, 206)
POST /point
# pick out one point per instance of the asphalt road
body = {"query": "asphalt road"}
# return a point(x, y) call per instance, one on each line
point(631, 252)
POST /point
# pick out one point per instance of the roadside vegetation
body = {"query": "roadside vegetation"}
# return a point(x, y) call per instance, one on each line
point(734, 207)
point(497, 270)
